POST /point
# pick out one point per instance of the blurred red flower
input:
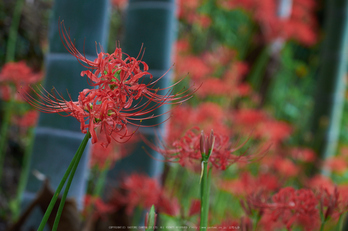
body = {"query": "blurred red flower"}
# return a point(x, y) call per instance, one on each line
point(95, 206)
point(188, 149)
point(29, 119)
point(292, 206)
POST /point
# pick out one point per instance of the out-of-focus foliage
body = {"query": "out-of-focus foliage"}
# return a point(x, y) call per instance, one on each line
point(32, 32)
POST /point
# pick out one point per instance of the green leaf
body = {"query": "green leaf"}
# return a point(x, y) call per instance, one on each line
point(151, 219)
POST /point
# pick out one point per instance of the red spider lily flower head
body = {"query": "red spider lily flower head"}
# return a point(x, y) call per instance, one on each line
point(139, 191)
point(29, 119)
point(320, 181)
point(293, 206)
point(96, 207)
point(303, 154)
point(120, 97)
point(18, 73)
point(195, 207)
point(207, 144)
point(168, 205)
point(194, 146)
point(328, 200)
point(332, 204)
point(12, 76)
point(105, 157)
point(247, 184)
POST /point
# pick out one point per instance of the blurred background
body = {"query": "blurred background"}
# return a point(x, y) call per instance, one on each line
point(272, 71)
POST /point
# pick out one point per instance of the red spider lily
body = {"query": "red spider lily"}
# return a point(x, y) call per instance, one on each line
point(336, 164)
point(120, 4)
point(193, 145)
point(105, 157)
point(328, 201)
point(18, 73)
point(319, 182)
point(248, 184)
point(303, 154)
point(141, 191)
point(195, 207)
point(120, 97)
point(167, 205)
point(27, 120)
point(195, 66)
point(208, 115)
point(293, 206)
point(96, 207)
point(301, 24)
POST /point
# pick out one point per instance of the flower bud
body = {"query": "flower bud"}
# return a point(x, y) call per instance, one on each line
point(202, 144)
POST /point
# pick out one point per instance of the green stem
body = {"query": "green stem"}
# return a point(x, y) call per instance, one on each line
point(101, 179)
point(258, 69)
point(71, 177)
point(24, 173)
point(258, 218)
point(339, 226)
point(76, 158)
point(4, 132)
point(137, 215)
point(205, 191)
point(12, 38)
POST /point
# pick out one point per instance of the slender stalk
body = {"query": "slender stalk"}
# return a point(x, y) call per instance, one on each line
point(50, 207)
point(259, 68)
point(258, 218)
point(4, 132)
point(205, 191)
point(101, 179)
point(67, 187)
point(12, 38)
point(137, 215)
point(24, 173)
point(340, 226)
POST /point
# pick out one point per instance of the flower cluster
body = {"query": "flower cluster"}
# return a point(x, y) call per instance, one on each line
point(193, 145)
point(16, 74)
point(121, 95)
point(301, 24)
point(290, 207)
point(139, 190)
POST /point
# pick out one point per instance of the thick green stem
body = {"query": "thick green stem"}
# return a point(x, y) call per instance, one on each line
point(71, 167)
point(12, 38)
point(205, 191)
point(4, 132)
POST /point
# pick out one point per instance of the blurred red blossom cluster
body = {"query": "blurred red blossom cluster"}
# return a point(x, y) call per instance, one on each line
point(139, 191)
point(300, 25)
point(15, 75)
